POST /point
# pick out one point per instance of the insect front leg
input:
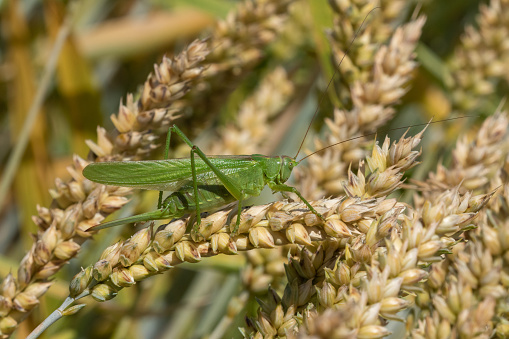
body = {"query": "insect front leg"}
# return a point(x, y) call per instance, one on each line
point(286, 188)
point(237, 222)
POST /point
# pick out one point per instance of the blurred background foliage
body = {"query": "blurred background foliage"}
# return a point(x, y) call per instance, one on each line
point(109, 52)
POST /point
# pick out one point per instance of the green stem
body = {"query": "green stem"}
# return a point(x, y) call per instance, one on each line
point(57, 314)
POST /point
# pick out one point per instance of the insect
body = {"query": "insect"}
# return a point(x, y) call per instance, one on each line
point(199, 183)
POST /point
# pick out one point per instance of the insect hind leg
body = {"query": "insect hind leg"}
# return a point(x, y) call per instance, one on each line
point(166, 152)
point(195, 188)
point(229, 184)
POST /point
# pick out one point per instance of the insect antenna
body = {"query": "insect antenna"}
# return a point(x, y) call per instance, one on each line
point(322, 96)
point(385, 131)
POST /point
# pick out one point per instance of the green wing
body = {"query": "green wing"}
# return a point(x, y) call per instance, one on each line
point(165, 175)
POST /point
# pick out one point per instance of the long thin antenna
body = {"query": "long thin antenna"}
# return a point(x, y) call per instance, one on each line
point(392, 129)
point(336, 69)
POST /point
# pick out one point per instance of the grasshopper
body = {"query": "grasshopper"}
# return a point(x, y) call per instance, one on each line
point(198, 184)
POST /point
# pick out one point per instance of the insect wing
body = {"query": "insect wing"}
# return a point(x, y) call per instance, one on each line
point(165, 175)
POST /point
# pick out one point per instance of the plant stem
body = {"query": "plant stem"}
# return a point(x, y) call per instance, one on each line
point(57, 314)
